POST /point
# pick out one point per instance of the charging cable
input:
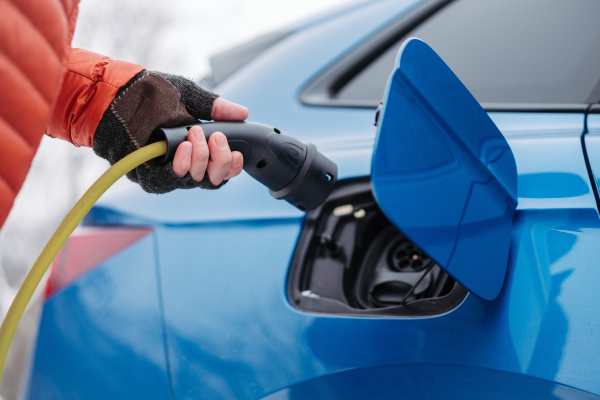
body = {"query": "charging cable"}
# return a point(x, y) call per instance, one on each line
point(60, 236)
point(293, 171)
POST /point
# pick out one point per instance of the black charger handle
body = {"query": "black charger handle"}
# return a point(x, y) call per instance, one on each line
point(293, 171)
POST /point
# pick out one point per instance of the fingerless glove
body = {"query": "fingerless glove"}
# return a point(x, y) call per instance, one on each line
point(150, 100)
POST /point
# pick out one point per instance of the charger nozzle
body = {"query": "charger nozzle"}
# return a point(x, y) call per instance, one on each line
point(293, 171)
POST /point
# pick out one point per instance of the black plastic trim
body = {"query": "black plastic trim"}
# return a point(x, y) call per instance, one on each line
point(322, 90)
point(306, 249)
point(532, 107)
point(592, 109)
point(489, 107)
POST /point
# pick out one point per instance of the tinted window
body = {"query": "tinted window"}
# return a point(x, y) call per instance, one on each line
point(506, 51)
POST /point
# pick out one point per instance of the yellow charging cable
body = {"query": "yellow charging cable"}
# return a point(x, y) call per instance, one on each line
point(60, 236)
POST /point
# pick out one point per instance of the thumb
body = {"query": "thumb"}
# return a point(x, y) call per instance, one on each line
point(225, 110)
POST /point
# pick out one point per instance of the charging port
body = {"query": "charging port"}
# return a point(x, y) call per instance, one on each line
point(351, 260)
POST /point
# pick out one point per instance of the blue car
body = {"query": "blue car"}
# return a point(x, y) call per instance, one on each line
point(458, 255)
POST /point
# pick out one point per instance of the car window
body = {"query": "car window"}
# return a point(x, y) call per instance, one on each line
point(505, 51)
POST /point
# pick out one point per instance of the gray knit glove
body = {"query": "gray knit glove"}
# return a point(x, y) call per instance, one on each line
point(147, 101)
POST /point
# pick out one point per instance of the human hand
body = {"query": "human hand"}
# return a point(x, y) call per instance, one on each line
point(197, 156)
point(153, 99)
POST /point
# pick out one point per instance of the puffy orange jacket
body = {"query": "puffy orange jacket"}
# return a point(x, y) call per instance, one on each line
point(46, 86)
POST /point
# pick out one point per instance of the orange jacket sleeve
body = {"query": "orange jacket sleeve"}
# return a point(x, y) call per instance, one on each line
point(89, 86)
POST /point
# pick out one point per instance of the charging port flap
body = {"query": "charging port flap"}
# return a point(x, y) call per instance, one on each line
point(443, 173)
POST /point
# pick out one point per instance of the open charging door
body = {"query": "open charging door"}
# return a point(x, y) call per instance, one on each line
point(443, 173)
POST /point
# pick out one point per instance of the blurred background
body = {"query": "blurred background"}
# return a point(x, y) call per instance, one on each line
point(175, 36)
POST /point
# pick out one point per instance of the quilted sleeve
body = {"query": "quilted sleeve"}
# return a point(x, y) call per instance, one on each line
point(89, 86)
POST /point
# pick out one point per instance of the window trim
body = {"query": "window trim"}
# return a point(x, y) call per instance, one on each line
point(321, 91)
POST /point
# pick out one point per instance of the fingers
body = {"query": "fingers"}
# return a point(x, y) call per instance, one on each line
point(225, 110)
point(182, 159)
point(237, 163)
point(193, 157)
point(200, 153)
point(220, 158)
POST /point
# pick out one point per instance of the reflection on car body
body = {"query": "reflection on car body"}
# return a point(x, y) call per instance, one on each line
point(298, 306)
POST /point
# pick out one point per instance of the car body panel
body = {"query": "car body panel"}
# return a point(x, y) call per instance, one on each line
point(518, 332)
point(593, 123)
point(234, 334)
point(89, 348)
point(223, 257)
point(425, 381)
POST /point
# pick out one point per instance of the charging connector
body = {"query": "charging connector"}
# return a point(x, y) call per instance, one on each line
point(293, 171)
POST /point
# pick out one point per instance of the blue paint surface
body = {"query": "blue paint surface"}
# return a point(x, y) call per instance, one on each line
point(443, 173)
point(102, 337)
point(223, 258)
point(234, 335)
point(425, 381)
